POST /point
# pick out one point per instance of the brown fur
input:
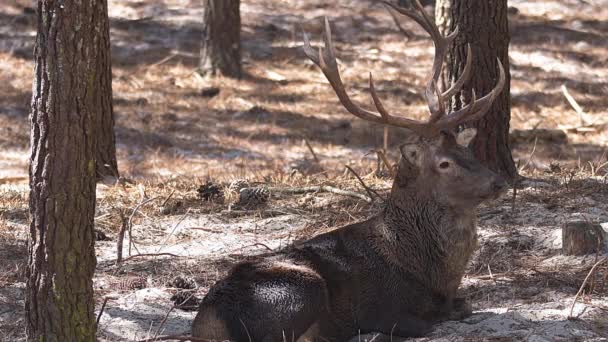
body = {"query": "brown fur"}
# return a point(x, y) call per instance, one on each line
point(396, 273)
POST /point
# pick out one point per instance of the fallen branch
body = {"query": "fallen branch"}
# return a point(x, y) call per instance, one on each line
point(176, 338)
point(585, 283)
point(151, 255)
point(321, 188)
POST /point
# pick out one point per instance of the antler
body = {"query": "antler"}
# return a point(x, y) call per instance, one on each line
point(326, 60)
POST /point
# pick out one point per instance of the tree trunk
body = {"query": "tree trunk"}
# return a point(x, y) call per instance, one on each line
point(221, 50)
point(484, 25)
point(64, 114)
point(106, 141)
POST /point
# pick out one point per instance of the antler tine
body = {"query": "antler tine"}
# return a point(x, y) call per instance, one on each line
point(466, 74)
point(434, 97)
point(476, 108)
point(437, 99)
point(326, 60)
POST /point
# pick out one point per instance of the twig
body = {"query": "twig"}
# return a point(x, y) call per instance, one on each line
point(321, 188)
point(384, 159)
point(162, 323)
point(121, 235)
point(258, 244)
point(173, 230)
point(574, 104)
point(168, 198)
point(103, 306)
point(585, 283)
point(139, 205)
point(530, 156)
point(490, 276)
point(150, 254)
point(385, 139)
point(515, 184)
point(312, 151)
point(176, 338)
point(371, 192)
point(209, 230)
point(401, 29)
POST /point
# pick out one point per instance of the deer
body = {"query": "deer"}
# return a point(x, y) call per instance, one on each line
point(396, 273)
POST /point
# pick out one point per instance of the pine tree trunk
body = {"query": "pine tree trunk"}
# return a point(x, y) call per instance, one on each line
point(59, 301)
point(483, 24)
point(221, 50)
point(106, 141)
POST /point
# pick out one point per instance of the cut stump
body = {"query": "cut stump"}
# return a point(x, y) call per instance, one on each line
point(581, 237)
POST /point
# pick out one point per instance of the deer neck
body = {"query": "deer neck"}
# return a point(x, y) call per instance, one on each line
point(421, 234)
point(408, 189)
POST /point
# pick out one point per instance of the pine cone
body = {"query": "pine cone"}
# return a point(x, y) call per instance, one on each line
point(185, 300)
point(209, 191)
point(252, 197)
point(183, 282)
point(129, 283)
point(237, 185)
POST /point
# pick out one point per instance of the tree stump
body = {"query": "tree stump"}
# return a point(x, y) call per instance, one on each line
point(581, 237)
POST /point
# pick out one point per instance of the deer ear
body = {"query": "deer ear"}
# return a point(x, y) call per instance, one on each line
point(412, 153)
point(466, 136)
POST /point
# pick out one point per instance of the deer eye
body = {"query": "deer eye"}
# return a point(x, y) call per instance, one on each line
point(444, 165)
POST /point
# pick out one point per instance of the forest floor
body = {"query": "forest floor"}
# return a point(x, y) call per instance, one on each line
point(174, 133)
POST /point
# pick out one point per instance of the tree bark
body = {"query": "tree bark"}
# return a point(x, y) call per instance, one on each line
point(484, 25)
point(221, 49)
point(106, 140)
point(64, 115)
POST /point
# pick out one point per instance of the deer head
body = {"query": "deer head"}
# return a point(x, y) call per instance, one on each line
point(436, 161)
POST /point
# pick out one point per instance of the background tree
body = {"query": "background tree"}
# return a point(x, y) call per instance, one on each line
point(64, 117)
point(483, 24)
point(106, 141)
point(221, 49)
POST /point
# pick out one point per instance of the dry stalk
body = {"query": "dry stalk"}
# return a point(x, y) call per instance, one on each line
point(530, 156)
point(312, 151)
point(382, 156)
point(585, 283)
point(173, 230)
point(162, 323)
point(124, 224)
point(135, 210)
point(168, 198)
point(577, 108)
point(371, 192)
